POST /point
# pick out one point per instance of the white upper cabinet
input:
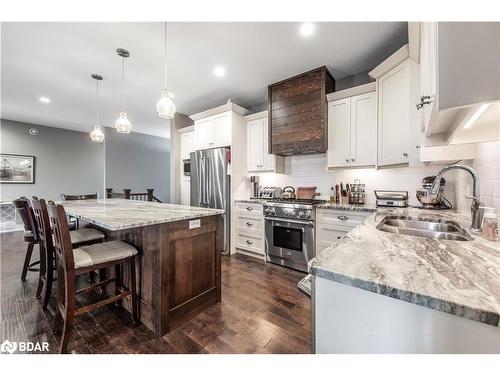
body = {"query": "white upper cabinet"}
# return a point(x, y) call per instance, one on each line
point(364, 129)
point(459, 66)
point(339, 129)
point(187, 144)
point(204, 133)
point(212, 132)
point(393, 90)
point(258, 157)
point(222, 129)
point(352, 130)
point(254, 145)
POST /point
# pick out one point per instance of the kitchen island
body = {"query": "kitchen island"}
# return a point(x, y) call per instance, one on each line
point(380, 292)
point(179, 254)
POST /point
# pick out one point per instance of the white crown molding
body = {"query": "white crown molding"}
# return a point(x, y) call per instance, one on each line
point(220, 109)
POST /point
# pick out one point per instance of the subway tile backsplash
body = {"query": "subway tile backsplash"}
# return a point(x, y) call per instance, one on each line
point(310, 170)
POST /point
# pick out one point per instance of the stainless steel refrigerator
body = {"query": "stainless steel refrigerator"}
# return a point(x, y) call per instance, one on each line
point(211, 184)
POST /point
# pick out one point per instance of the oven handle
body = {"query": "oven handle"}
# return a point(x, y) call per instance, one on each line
point(310, 223)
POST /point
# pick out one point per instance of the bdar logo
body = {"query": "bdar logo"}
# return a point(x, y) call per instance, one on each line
point(8, 347)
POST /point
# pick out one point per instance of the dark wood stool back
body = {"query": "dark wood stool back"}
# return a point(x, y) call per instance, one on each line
point(31, 236)
point(77, 197)
point(47, 248)
point(25, 211)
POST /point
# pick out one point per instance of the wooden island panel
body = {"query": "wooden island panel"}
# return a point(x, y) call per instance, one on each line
point(178, 272)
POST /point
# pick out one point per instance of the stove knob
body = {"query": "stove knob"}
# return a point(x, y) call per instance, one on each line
point(301, 214)
point(269, 211)
point(307, 215)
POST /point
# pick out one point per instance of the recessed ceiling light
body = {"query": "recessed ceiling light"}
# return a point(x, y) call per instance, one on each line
point(476, 115)
point(219, 71)
point(44, 99)
point(306, 29)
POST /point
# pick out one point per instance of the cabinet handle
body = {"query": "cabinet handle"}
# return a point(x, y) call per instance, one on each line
point(347, 160)
point(342, 217)
point(352, 160)
point(405, 154)
point(249, 242)
point(249, 208)
point(339, 237)
point(249, 224)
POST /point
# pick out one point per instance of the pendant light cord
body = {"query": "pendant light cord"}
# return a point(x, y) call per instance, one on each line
point(165, 57)
point(123, 83)
point(97, 103)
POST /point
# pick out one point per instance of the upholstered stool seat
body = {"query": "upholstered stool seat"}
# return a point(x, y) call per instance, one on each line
point(85, 235)
point(100, 253)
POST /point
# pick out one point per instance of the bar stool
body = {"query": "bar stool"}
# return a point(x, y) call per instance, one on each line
point(78, 237)
point(73, 221)
point(31, 236)
point(85, 259)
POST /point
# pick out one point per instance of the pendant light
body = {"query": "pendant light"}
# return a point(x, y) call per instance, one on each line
point(97, 135)
point(165, 106)
point(123, 124)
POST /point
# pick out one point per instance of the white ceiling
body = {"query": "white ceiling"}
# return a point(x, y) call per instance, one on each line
point(56, 60)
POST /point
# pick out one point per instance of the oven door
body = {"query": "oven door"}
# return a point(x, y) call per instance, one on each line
point(289, 239)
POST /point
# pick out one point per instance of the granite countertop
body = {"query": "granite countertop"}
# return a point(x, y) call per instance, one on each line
point(118, 214)
point(348, 207)
point(326, 205)
point(456, 277)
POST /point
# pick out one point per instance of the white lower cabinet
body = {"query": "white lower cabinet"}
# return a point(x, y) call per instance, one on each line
point(249, 231)
point(332, 225)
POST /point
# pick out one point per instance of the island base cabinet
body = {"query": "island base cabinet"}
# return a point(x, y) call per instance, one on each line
point(178, 272)
point(352, 320)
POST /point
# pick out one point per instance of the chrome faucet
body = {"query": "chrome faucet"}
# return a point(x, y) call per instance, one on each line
point(476, 209)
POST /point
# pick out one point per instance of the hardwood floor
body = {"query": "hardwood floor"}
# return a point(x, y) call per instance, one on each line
point(262, 311)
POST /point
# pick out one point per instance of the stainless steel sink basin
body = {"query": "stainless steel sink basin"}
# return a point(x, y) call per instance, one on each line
point(430, 228)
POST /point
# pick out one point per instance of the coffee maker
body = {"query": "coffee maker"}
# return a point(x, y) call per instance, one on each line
point(254, 182)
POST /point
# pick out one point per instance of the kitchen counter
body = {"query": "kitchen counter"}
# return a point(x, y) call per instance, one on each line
point(460, 278)
point(119, 214)
point(348, 207)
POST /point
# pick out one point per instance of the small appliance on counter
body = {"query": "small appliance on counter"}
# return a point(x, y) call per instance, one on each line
point(270, 192)
point(308, 192)
point(254, 182)
point(391, 198)
point(288, 193)
point(430, 200)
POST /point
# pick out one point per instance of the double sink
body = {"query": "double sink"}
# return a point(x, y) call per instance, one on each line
point(422, 227)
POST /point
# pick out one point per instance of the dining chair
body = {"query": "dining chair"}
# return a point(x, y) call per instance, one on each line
point(78, 238)
point(85, 259)
point(31, 236)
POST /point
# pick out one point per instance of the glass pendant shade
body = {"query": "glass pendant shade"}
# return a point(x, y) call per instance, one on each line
point(123, 125)
point(165, 106)
point(97, 135)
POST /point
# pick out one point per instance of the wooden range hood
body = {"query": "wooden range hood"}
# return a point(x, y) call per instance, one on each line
point(298, 113)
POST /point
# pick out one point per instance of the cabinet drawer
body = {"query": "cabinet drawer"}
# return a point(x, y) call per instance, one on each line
point(341, 217)
point(251, 224)
point(249, 209)
point(326, 235)
point(249, 242)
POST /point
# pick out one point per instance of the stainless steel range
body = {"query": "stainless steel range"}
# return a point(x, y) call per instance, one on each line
point(290, 232)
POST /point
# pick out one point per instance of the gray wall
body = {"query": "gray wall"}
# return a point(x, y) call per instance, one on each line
point(138, 161)
point(66, 161)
